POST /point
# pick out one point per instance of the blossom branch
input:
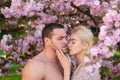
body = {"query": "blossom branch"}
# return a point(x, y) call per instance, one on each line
point(5, 3)
point(86, 13)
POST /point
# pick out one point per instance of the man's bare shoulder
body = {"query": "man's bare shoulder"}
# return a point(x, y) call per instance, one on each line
point(37, 61)
point(35, 68)
point(34, 64)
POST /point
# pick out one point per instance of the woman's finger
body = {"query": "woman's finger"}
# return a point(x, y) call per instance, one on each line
point(68, 57)
point(62, 56)
point(58, 54)
point(61, 52)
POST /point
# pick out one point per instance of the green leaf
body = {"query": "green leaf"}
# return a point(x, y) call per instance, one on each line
point(2, 54)
point(11, 77)
point(14, 68)
point(23, 53)
point(117, 53)
point(105, 71)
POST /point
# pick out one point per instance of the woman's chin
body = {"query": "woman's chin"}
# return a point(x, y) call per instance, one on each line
point(71, 53)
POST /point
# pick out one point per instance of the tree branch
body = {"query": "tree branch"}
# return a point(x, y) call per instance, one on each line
point(7, 4)
point(86, 13)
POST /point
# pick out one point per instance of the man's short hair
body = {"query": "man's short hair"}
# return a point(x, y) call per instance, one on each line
point(48, 29)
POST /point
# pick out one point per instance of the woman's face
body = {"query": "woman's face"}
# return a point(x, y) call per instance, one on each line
point(75, 45)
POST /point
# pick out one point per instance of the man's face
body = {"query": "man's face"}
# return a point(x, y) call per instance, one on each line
point(59, 40)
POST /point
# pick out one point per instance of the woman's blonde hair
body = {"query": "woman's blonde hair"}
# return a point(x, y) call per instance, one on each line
point(85, 35)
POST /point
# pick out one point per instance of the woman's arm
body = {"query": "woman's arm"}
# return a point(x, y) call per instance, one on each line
point(66, 74)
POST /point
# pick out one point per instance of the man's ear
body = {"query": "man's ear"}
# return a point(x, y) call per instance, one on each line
point(47, 41)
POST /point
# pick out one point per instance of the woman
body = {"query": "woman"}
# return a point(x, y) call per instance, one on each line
point(81, 41)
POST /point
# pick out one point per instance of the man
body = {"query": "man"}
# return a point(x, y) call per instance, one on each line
point(46, 66)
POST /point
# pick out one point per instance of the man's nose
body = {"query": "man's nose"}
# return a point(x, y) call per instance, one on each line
point(69, 45)
point(65, 41)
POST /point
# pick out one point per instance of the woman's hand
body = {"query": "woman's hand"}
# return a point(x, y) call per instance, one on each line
point(64, 60)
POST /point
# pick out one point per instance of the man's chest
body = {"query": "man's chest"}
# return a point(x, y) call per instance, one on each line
point(53, 72)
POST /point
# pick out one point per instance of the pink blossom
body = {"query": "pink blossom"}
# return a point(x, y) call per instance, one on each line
point(7, 38)
point(4, 46)
point(103, 32)
point(25, 45)
point(40, 27)
point(8, 65)
point(117, 24)
point(95, 10)
point(83, 2)
point(108, 41)
point(93, 68)
point(110, 17)
point(94, 51)
point(6, 12)
point(116, 35)
point(38, 33)
point(61, 7)
point(79, 2)
point(106, 52)
point(107, 63)
point(30, 39)
point(114, 3)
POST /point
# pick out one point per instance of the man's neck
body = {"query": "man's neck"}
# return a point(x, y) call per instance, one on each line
point(51, 55)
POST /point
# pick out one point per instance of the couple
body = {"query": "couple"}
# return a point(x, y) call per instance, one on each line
point(52, 64)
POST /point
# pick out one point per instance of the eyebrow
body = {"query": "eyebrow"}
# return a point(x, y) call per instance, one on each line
point(62, 37)
point(72, 39)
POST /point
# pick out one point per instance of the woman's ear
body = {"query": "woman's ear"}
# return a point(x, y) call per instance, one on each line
point(47, 41)
point(85, 45)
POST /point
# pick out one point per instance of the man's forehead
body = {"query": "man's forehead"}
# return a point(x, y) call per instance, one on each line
point(59, 32)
